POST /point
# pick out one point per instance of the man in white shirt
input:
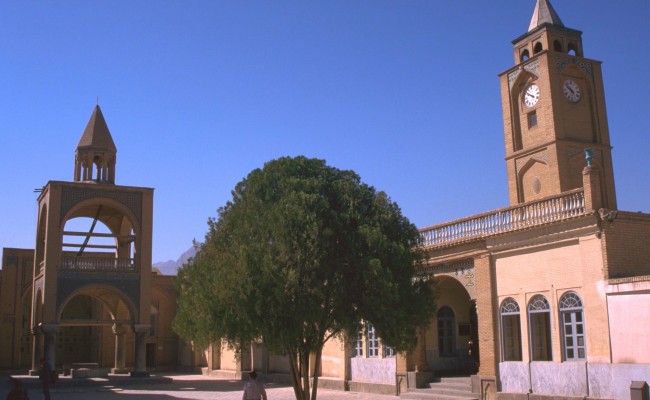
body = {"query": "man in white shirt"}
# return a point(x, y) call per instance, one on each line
point(252, 389)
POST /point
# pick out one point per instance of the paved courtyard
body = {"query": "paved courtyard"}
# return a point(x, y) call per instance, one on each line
point(183, 387)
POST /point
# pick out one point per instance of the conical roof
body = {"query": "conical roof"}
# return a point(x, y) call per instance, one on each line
point(96, 134)
point(544, 14)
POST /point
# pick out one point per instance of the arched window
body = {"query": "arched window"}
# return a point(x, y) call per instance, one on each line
point(446, 332)
point(573, 326)
point(511, 330)
point(572, 49)
point(525, 55)
point(538, 47)
point(539, 321)
point(557, 46)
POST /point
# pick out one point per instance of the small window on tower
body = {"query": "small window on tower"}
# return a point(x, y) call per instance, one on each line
point(557, 46)
point(525, 55)
point(538, 47)
point(572, 49)
point(532, 119)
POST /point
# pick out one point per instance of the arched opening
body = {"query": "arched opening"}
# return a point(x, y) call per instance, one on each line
point(40, 238)
point(538, 47)
point(89, 320)
point(79, 339)
point(98, 237)
point(451, 340)
point(557, 46)
point(539, 326)
point(525, 55)
point(572, 49)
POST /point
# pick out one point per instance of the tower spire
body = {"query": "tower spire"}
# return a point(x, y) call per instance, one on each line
point(95, 148)
point(544, 14)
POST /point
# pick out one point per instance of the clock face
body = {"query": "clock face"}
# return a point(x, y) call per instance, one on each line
point(531, 96)
point(571, 91)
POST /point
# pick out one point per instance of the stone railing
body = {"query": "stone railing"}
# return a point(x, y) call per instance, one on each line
point(535, 213)
point(97, 264)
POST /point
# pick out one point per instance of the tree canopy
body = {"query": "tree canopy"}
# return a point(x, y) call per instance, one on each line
point(302, 253)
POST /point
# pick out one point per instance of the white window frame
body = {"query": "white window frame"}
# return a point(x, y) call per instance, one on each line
point(572, 322)
point(372, 341)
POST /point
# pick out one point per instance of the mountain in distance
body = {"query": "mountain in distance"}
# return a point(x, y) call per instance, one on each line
point(171, 267)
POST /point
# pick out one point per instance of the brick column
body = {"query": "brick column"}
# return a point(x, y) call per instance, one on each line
point(591, 185)
point(486, 310)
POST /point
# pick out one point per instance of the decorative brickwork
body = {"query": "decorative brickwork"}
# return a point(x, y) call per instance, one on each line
point(72, 195)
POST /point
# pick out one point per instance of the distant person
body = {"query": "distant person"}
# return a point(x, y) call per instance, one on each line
point(45, 376)
point(18, 392)
point(252, 389)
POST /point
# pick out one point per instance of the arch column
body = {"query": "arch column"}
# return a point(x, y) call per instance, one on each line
point(140, 367)
point(120, 349)
point(37, 349)
point(50, 331)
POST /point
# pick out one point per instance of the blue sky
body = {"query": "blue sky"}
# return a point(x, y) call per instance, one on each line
point(198, 93)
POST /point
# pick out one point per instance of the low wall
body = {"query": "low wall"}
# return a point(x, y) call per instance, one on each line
point(373, 370)
point(569, 379)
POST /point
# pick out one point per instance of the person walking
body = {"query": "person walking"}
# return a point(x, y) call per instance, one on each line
point(252, 389)
point(45, 376)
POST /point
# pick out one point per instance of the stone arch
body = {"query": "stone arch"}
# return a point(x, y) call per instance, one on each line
point(517, 89)
point(37, 307)
point(82, 208)
point(531, 177)
point(112, 297)
point(454, 297)
point(115, 216)
point(39, 251)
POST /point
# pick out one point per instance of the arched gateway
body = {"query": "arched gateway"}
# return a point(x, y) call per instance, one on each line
point(92, 264)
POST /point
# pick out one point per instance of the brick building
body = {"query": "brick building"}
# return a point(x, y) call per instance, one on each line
point(549, 296)
point(87, 292)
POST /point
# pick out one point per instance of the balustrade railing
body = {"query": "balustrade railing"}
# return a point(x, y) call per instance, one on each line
point(566, 206)
point(97, 264)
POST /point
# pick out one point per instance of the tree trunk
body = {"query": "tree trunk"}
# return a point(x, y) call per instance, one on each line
point(304, 368)
point(317, 364)
point(295, 375)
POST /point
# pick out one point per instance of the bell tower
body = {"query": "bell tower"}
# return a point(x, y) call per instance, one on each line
point(95, 149)
point(93, 245)
point(553, 111)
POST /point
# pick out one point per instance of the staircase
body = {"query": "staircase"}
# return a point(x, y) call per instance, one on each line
point(447, 389)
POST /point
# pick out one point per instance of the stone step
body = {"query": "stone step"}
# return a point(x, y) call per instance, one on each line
point(465, 394)
point(423, 394)
point(457, 379)
point(467, 387)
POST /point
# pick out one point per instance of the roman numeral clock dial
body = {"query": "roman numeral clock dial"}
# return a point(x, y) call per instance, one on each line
point(571, 91)
point(531, 96)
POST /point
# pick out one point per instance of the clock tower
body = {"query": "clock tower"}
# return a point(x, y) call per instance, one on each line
point(553, 111)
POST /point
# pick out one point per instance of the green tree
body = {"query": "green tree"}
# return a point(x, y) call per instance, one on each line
point(303, 253)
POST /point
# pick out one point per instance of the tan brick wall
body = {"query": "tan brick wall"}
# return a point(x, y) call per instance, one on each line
point(485, 309)
point(626, 245)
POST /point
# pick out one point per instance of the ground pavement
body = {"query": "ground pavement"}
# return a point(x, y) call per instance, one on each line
point(196, 387)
